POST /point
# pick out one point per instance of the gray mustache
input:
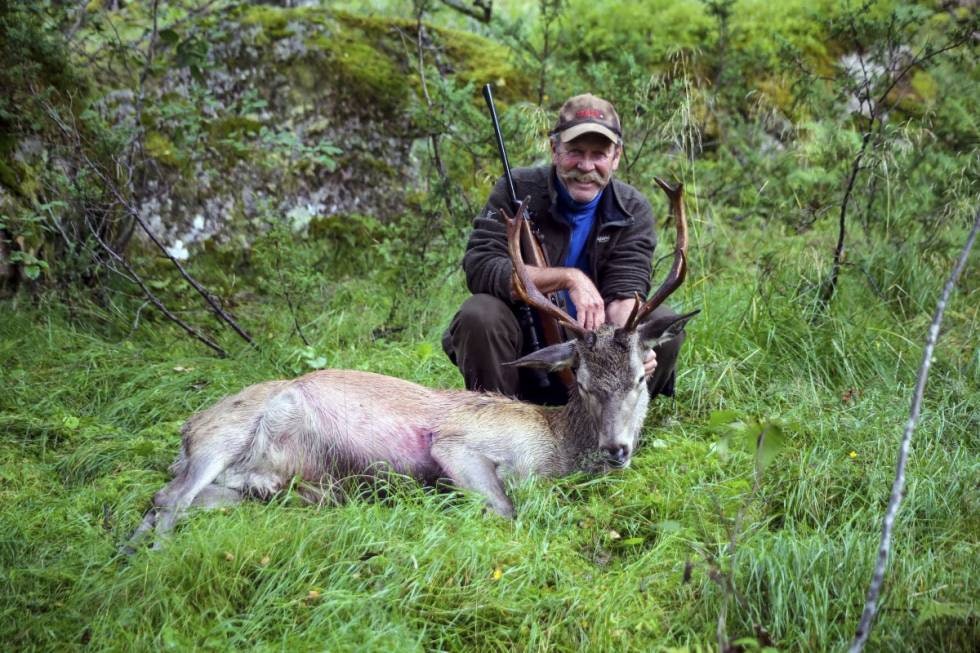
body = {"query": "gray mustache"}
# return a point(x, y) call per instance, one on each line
point(585, 177)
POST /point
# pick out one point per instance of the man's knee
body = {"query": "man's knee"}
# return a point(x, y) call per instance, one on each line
point(485, 314)
point(670, 349)
point(662, 380)
point(483, 336)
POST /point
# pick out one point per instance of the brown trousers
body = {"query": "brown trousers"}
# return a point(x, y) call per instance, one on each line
point(485, 333)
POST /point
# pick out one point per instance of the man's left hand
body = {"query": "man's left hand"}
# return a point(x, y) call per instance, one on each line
point(649, 362)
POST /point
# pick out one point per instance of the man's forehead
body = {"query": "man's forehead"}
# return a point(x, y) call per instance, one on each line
point(589, 140)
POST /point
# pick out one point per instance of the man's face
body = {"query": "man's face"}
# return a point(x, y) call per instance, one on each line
point(585, 164)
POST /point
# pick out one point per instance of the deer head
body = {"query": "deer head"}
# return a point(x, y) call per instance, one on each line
point(610, 398)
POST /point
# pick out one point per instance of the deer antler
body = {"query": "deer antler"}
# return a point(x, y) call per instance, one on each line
point(679, 269)
point(524, 287)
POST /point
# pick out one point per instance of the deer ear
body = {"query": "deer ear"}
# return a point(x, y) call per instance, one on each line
point(661, 329)
point(553, 358)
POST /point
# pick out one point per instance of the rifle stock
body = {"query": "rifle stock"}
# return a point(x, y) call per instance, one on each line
point(534, 254)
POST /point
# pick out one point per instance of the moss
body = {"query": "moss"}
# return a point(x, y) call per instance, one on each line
point(8, 177)
point(361, 230)
point(364, 73)
point(778, 91)
point(376, 165)
point(231, 126)
point(368, 58)
point(275, 21)
point(925, 86)
point(305, 77)
point(480, 60)
point(161, 148)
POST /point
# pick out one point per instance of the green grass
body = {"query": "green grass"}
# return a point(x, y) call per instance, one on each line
point(90, 413)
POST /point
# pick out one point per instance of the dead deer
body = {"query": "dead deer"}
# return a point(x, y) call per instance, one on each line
point(332, 424)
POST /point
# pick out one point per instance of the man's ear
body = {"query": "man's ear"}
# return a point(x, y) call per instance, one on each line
point(617, 154)
point(553, 358)
point(659, 330)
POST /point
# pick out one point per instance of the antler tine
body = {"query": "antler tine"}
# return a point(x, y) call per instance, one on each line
point(637, 302)
point(679, 268)
point(524, 287)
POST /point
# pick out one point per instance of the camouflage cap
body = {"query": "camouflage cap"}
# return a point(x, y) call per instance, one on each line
point(587, 113)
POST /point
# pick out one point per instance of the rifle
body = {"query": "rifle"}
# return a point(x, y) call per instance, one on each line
point(534, 255)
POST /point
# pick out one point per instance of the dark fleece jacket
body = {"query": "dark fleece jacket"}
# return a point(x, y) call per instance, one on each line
point(620, 247)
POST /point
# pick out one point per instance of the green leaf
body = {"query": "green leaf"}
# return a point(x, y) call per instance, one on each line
point(169, 36)
point(669, 526)
point(770, 442)
point(940, 610)
point(720, 448)
point(723, 418)
point(317, 363)
point(748, 435)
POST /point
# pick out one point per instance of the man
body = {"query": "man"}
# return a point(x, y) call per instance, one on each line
point(596, 231)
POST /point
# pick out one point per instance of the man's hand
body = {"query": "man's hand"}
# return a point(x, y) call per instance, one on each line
point(589, 307)
point(649, 362)
point(590, 310)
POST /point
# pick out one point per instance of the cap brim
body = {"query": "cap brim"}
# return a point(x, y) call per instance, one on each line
point(587, 128)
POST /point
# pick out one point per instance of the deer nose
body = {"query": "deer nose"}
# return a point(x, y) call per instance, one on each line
point(618, 455)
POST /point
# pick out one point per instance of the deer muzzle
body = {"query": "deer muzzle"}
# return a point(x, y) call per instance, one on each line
point(617, 455)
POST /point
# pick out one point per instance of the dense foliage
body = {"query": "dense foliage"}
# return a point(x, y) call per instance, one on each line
point(316, 168)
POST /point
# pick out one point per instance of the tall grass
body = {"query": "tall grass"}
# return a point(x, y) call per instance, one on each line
point(90, 417)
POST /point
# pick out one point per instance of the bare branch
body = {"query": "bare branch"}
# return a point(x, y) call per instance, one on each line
point(482, 10)
point(286, 295)
point(898, 485)
point(71, 133)
point(136, 278)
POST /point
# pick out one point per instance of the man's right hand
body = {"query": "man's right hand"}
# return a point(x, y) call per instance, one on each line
point(589, 307)
point(590, 310)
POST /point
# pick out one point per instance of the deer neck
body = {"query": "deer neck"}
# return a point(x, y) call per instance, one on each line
point(576, 432)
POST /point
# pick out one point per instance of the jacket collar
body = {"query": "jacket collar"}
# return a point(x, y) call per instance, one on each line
point(610, 209)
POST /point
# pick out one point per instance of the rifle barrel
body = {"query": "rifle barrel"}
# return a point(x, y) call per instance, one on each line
point(488, 96)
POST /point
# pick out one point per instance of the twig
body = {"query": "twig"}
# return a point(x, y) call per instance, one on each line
point(482, 10)
point(156, 301)
point(434, 137)
point(871, 602)
point(289, 301)
point(829, 287)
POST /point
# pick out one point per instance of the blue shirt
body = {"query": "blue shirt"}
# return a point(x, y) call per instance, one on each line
point(580, 216)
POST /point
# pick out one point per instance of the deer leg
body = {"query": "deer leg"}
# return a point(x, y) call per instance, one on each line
point(216, 496)
point(160, 500)
point(149, 520)
point(212, 496)
point(471, 470)
point(174, 499)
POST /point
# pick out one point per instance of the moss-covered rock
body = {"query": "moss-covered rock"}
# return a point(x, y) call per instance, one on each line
point(294, 114)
